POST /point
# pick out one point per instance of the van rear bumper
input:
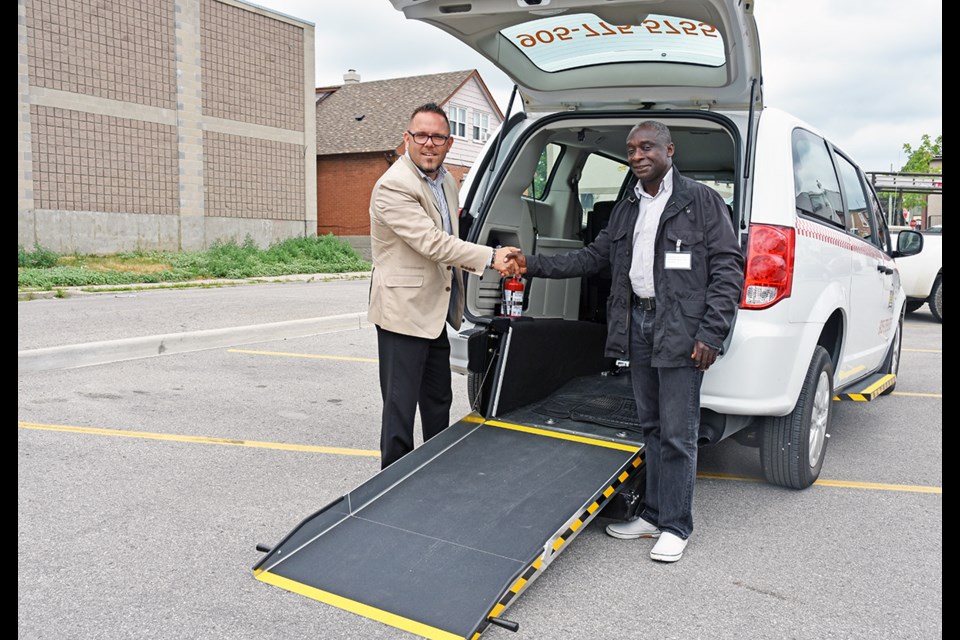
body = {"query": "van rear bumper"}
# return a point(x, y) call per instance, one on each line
point(763, 368)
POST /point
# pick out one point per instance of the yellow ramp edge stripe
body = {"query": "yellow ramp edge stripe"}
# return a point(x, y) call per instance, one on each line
point(359, 608)
point(562, 436)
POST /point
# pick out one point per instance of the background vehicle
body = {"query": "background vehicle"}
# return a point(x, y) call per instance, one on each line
point(922, 275)
point(822, 309)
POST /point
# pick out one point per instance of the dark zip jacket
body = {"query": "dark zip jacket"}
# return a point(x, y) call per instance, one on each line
point(694, 304)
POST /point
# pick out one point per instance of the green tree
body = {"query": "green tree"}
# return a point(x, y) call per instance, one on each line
point(918, 161)
point(540, 176)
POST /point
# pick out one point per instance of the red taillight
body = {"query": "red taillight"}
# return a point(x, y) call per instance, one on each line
point(769, 271)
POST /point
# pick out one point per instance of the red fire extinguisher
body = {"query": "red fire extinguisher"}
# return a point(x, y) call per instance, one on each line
point(512, 306)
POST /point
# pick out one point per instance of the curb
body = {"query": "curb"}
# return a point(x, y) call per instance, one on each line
point(98, 289)
point(94, 353)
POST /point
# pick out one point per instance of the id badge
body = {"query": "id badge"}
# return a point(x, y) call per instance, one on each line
point(678, 260)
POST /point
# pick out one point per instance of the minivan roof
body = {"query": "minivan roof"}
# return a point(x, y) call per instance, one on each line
point(583, 54)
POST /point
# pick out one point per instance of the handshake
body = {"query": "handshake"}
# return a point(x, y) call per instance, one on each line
point(510, 261)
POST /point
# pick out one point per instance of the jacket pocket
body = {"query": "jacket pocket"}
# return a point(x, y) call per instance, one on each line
point(690, 316)
point(687, 237)
point(693, 308)
point(403, 281)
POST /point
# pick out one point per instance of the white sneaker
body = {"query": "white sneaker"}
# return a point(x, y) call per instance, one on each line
point(669, 548)
point(638, 528)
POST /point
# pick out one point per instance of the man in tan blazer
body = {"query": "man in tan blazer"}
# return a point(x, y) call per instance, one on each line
point(417, 284)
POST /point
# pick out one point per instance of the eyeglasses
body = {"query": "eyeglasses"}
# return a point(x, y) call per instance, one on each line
point(421, 138)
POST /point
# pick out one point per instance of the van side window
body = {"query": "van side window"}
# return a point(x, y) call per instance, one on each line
point(815, 180)
point(600, 182)
point(540, 185)
point(883, 233)
point(860, 221)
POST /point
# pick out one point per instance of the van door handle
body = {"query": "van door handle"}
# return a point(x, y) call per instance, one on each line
point(883, 269)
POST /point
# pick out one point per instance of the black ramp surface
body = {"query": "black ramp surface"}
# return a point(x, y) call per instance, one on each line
point(443, 544)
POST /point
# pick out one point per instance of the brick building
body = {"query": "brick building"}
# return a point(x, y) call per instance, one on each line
point(165, 124)
point(360, 129)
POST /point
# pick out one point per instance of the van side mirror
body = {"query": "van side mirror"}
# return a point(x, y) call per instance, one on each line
point(909, 243)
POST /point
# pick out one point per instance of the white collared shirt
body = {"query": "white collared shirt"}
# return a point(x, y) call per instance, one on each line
point(436, 185)
point(645, 235)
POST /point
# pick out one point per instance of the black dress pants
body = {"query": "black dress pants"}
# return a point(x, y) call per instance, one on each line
point(413, 371)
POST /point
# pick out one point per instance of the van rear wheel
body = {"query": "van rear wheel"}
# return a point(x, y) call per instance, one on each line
point(891, 362)
point(936, 299)
point(793, 446)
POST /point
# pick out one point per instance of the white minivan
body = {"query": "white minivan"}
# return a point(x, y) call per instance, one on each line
point(822, 311)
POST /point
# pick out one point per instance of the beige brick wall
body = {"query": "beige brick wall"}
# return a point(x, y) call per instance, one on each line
point(116, 49)
point(141, 126)
point(91, 162)
point(253, 178)
point(252, 67)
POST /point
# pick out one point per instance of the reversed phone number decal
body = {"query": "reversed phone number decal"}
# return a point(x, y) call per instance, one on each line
point(601, 29)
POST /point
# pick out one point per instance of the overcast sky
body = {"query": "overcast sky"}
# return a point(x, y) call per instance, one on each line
point(867, 73)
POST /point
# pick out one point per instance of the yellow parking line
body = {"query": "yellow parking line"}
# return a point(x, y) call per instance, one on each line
point(880, 486)
point(300, 355)
point(917, 395)
point(340, 451)
point(924, 350)
point(369, 453)
point(846, 484)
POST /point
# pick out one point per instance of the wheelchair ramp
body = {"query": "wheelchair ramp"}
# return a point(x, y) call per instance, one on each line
point(442, 542)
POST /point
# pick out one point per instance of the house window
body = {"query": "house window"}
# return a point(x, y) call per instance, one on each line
point(458, 121)
point(481, 126)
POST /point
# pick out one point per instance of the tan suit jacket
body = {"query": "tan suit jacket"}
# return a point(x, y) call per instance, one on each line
point(414, 259)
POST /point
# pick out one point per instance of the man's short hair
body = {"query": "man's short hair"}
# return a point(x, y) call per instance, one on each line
point(431, 107)
point(663, 133)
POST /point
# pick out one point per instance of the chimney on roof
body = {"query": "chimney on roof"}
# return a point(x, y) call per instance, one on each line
point(351, 77)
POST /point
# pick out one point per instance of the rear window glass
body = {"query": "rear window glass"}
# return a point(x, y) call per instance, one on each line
point(815, 180)
point(582, 40)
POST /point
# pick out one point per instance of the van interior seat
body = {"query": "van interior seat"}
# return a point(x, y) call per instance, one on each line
point(596, 288)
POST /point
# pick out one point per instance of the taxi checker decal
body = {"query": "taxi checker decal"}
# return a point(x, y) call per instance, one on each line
point(838, 238)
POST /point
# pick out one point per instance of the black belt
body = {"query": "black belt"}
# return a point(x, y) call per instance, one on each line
point(647, 304)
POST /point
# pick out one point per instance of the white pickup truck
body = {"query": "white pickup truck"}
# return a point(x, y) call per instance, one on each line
point(921, 275)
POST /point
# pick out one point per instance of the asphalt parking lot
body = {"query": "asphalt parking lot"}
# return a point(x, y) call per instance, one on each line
point(145, 484)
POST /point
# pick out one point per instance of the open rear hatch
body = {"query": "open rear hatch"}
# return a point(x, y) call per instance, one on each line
point(576, 54)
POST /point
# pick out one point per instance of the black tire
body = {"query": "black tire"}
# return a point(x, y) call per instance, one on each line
point(474, 386)
point(936, 299)
point(913, 305)
point(793, 447)
point(891, 362)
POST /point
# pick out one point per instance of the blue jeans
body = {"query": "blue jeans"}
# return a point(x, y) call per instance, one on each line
point(668, 405)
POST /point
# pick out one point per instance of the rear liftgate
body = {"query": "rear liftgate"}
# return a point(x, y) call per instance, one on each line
point(443, 541)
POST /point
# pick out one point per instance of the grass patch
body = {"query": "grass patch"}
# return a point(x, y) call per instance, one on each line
point(45, 270)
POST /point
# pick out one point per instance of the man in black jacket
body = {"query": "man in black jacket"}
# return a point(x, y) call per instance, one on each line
point(677, 273)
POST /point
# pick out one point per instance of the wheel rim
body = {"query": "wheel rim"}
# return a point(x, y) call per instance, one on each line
point(818, 419)
point(938, 300)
